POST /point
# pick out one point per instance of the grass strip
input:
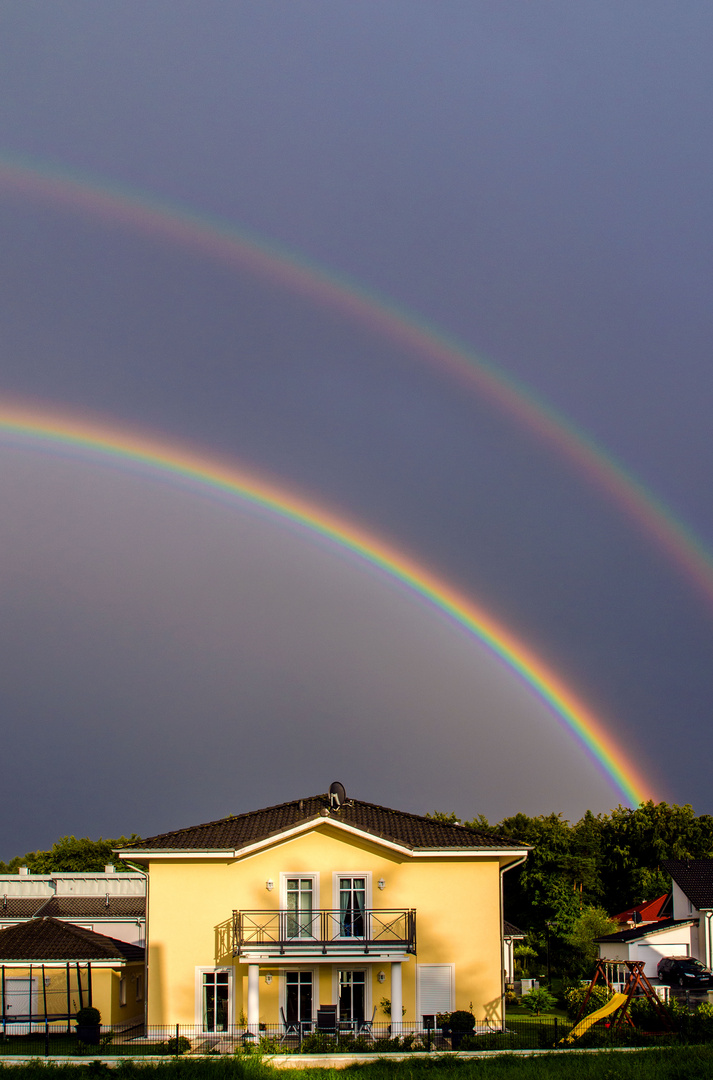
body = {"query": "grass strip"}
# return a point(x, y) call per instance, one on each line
point(680, 1063)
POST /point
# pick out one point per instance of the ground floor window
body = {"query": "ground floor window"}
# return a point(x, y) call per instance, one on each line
point(216, 1000)
point(298, 996)
point(352, 995)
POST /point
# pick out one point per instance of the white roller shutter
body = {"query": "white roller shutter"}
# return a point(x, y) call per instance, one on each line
point(434, 988)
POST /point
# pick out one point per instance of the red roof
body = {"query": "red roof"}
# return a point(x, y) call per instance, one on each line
point(650, 911)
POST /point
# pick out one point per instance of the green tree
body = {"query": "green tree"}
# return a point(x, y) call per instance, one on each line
point(593, 923)
point(71, 855)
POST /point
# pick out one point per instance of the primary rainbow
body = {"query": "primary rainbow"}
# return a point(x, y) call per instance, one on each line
point(225, 242)
point(25, 425)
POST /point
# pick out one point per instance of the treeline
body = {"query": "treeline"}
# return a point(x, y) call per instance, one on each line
point(71, 854)
point(603, 863)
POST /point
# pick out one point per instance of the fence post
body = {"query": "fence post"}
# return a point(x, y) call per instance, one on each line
point(176, 1040)
point(556, 1039)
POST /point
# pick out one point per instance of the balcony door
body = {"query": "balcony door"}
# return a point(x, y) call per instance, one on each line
point(352, 995)
point(298, 996)
point(300, 907)
point(215, 1001)
point(352, 906)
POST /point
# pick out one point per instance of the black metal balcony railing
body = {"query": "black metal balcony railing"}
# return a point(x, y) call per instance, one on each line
point(325, 930)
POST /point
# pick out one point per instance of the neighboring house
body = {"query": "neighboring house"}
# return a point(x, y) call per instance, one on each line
point(511, 934)
point(693, 898)
point(650, 942)
point(323, 901)
point(49, 969)
point(688, 931)
point(109, 903)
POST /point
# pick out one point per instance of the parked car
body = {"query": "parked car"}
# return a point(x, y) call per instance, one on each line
point(683, 971)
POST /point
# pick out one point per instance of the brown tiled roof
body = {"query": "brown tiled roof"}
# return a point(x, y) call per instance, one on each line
point(509, 930)
point(21, 907)
point(238, 831)
point(95, 907)
point(694, 877)
point(39, 940)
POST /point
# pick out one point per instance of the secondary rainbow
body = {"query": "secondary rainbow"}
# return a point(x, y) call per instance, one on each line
point(122, 447)
point(225, 242)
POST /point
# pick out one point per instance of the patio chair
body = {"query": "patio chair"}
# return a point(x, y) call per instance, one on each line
point(287, 1027)
point(366, 1027)
point(327, 1019)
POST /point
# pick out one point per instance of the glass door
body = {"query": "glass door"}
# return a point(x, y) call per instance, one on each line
point(352, 904)
point(298, 996)
point(216, 1001)
point(352, 995)
point(299, 908)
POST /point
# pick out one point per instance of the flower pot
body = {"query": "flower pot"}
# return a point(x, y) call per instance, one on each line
point(89, 1033)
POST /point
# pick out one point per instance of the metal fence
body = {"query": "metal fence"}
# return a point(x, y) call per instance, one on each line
point(523, 1033)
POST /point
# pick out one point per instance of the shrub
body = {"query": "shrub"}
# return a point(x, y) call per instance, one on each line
point(461, 1020)
point(574, 999)
point(701, 1024)
point(88, 1015)
point(537, 1001)
point(175, 1045)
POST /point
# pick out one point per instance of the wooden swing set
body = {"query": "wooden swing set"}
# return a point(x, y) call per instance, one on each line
point(636, 985)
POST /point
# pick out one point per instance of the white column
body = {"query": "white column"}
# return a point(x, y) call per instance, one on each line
point(254, 998)
point(396, 998)
point(705, 931)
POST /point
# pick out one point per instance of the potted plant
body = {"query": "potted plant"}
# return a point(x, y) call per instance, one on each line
point(88, 1025)
point(460, 1023)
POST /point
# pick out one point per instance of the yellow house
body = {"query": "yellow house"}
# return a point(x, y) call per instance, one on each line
point(271, 917)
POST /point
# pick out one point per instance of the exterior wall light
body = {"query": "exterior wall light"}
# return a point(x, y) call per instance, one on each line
point(269, 884)
point(381, 883)
point(268, 978)
point(381, 976)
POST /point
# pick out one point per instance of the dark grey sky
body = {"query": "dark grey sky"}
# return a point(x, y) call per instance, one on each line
point(533, 178)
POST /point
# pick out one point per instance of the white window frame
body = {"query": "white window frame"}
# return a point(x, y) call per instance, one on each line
point(286, 875)
point(200, 971)
point(122, 991)
point(368, 979)
point(315, 986)
point(337, 876)
point(419, 968)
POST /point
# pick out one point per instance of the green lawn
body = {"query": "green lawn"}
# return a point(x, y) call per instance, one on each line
point(681, 1063)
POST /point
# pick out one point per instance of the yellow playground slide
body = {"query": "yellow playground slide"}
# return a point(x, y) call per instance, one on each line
point(611, 1006)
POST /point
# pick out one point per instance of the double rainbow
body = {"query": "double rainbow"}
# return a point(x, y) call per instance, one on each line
point(267, 260)
point(122, 447)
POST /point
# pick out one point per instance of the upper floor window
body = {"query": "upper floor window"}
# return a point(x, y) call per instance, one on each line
point(352, 905)
point(300, 907)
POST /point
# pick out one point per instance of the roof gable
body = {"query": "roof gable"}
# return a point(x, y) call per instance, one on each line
point(695, 878)
point(241, 833)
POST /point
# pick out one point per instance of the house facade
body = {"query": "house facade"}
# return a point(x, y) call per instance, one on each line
point(109, 903)
point(268, 917)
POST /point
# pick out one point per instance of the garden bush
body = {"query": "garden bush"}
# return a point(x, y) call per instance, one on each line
point(574, 998)
point(537, 1001)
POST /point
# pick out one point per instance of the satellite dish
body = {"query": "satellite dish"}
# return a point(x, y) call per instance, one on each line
point(337, 795)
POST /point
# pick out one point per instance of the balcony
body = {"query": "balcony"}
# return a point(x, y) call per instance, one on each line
point(272, 934)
